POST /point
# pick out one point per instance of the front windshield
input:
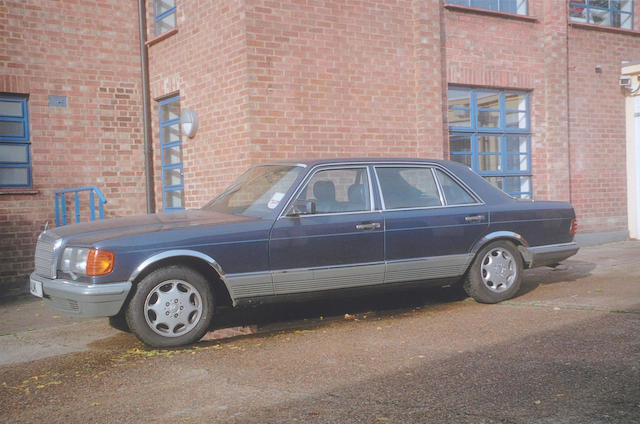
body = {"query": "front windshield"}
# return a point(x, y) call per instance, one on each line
point(257, 192)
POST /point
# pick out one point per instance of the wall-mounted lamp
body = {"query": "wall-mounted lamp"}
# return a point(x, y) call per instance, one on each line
point(189, 122)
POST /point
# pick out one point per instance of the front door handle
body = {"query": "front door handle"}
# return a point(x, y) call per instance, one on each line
point(474, 218)
point(368, 226)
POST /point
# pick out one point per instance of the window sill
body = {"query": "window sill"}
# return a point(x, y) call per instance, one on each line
point(161, 37)
point(487, 12)
point(18, 192)
point(594, 27)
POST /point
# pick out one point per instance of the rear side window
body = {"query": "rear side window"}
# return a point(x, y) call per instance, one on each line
point(454, 194)
point(408, 187)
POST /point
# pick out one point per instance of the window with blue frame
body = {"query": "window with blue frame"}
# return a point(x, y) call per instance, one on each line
point(165, 15)
point(518, 7)
point(15, 157)
point(612, 13)
point(489, 131)
point(171, 154)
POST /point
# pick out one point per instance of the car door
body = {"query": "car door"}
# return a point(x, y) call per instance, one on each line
point(431, 221)
point(340, 244)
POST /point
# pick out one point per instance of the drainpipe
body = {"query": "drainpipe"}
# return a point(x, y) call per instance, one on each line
point(146, 108)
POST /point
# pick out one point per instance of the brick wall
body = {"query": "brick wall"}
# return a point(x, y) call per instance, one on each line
point(597, 120)
point(88, 52)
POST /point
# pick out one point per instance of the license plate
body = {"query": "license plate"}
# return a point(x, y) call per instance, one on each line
point(36, 288)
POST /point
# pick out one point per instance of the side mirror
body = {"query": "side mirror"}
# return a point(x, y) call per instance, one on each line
point(302, 207)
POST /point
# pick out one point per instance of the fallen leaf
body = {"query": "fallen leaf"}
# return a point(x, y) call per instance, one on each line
point(560, 395)
point(537, 402)
point(383, 419)
point(349, 316)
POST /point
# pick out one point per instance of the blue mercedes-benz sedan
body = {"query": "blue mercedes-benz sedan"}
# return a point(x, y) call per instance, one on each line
point(291, 228)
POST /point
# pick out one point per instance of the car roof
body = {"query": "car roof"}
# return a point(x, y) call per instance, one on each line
point(347, 160)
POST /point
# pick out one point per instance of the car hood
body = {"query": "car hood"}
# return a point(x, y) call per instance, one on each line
point(92, 232)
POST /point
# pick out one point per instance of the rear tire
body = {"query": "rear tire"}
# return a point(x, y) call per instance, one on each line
point(171, 307)
point(495, 274)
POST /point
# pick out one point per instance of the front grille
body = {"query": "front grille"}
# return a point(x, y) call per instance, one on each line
point(44, 265)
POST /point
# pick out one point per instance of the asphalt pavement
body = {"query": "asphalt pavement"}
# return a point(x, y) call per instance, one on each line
point(565, 350)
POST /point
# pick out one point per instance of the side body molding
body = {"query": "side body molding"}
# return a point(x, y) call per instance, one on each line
point(176, 253)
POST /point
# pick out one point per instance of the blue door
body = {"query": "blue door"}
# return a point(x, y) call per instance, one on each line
point(340, 245)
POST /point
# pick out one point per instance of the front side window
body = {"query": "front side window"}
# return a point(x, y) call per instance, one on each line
point(15, 156)
point(489, 131)
point(518, 7)
point(338, 190)
point(165, 15)
point(612, 13)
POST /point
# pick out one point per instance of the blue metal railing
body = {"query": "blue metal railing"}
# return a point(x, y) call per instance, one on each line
point(61, 205)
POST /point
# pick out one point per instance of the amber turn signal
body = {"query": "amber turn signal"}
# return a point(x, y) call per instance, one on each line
point(100, 262)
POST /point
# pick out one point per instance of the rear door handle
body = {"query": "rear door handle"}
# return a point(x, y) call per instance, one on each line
point(474, 218)
point(368, 226)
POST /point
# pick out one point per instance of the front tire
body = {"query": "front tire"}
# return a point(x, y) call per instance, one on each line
point(171, 307)
point(495, 274)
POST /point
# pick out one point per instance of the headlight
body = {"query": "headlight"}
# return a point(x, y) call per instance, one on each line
point(83, 261)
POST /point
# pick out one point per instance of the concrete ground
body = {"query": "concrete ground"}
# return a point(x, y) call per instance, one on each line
point(565, 350)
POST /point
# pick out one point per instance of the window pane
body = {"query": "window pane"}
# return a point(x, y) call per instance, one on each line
point(488, 143)
point(164, 5)
point(339, 190)
point(172, 155)
point(460, 143)
point(577, 13)
point(170, 111)
point(165, 24)
point(489, 163)
point(459, 118)
point(172, 177)
point(599, 3)
point(459, 97)
point(517, 144)
point(486, 4)
point(488, 100)
point(408, 187)
point(173, 198)
point(488, 119)
point(496, 181)
point(624, 5)
point(514, 185)
point(515, 101)
point(599, 17)
point(516, 120)
point(11, 129)
point(517, 162)
point(13, 153)
point(170, 133)
point(463, 159)
point(622, 20)
point(14, 176)
point(10, 108)
point(453, 192)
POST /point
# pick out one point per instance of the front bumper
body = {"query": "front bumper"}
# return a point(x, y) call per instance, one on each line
point(83, 300)
point(550, 254)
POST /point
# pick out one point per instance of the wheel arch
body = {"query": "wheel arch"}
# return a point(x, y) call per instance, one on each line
point(195, 260)
point(517, 239)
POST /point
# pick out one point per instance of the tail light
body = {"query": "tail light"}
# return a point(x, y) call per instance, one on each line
point(574, 227)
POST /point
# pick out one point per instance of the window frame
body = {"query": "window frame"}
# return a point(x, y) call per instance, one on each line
point(159, 17)
point(502, 132)
point(166, 145)
point(23, 140)
point(467, 3)
point(443, 197)
point(610, 10)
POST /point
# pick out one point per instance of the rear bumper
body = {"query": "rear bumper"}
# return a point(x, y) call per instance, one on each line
point(83, 300)
point(549, 254)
